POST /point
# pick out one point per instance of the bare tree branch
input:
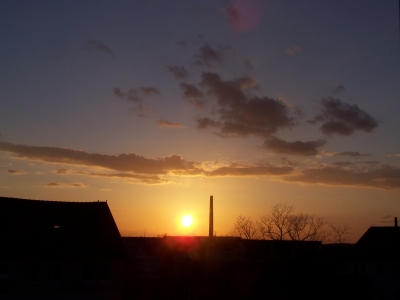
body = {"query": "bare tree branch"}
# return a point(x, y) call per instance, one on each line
point(281, 223)
point(339, 231)
point(244, 228)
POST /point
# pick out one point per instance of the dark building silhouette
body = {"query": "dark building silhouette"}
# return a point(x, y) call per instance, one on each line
point(59, 250)
point(376, 263)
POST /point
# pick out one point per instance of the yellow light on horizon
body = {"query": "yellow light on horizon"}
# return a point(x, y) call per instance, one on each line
point(187, 221)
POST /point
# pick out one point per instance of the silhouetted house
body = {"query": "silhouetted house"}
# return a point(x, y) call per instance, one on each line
point(377, 263)
point(59, 250)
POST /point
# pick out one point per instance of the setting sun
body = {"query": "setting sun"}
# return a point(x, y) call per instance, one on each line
point(187, 221)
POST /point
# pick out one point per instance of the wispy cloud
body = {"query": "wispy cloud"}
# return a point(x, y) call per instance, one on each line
point(141, 167)
point(134, 178)
point(294, 148)
point(352, 154)
point(209, 56)
point(179, 72)
point(349, 163)
point(15, 172)
point(149, 91)
point(138, 169)
point(64, 185)
point(338, 88)
point(166, 123)
point(384, 177)
point(123, 162)
point(133, 96)
point(388, 219)
point(96, 45)
point(294, 51)
point(246, 170)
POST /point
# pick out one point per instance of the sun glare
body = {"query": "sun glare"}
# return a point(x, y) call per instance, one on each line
point(187, 221)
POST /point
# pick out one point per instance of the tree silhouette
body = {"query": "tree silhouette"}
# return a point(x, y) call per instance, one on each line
point(282, 223)
point(245, 228)
point(339, 231)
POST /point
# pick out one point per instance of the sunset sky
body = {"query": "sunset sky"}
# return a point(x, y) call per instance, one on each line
point(156, 105)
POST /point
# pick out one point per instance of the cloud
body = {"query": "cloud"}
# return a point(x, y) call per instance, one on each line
point(240, 114)
point(132, 95)
point(248, 64)
point(293, 148)
point(181, 43)
point(343, 163)
point(15, 172)
point(209, 56)
point(135, 167)
point(179, 72)
point(244, 15)
point(166, 123)
point(338, 88)
point(193, 95)
point(352, 154)
point(294, 51)
point(98, 46)
point(342, 118)
point(122, 163)
point(243, 170)
point(62, 171)
point(64, 185)
point(388, 219)
point(347, 163)
point(138, 169)
point(384, 177)
point(135, 178)
point(149, 91)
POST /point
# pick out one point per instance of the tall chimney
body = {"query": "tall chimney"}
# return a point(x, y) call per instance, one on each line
point(395, 221)
point(211, 224)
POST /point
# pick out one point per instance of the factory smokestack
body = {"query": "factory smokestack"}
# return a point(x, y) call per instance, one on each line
point(211, 224)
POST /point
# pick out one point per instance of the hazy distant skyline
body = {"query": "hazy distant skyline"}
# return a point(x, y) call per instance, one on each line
point(155, 106)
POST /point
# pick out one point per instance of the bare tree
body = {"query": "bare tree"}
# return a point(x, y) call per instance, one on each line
point(276, 224)
point(304, 227)
point(282, 223)
point(339, 231)
point(244, 228)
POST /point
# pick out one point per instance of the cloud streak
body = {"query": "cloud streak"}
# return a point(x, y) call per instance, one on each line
point(294, 148)
point(294, 51)
point(64, 185)
point(138, 169)
point(166, 124)
point(97, 46)
point(15, 172)
point(385, 177)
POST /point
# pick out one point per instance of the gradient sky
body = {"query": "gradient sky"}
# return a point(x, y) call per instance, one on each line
point(156, 105)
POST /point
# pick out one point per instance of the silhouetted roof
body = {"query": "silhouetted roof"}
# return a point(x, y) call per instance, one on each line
point(379, 243)
point(57, 229)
